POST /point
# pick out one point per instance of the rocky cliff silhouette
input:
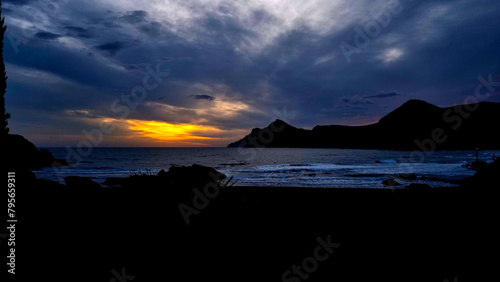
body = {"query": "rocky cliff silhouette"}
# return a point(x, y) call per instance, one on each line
point(416, 125)
point(19, 153)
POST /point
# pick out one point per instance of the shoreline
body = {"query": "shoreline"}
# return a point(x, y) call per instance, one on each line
point(419, 232)
point(324, 168)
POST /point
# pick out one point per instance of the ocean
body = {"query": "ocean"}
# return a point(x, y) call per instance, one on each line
point(335, 168)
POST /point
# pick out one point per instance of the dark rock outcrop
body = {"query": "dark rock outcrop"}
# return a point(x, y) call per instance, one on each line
point(20, 153)
point(476, 165)
point(407, 176)
point(81, 183)
point(391, 182)
point(487, 176)
point(176, 177)
point(49, 184)
point(416, 125)
point(192, 176)
point(114, 181)
point(418, 186)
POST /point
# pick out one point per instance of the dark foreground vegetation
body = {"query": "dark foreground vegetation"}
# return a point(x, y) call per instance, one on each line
point(83, 231)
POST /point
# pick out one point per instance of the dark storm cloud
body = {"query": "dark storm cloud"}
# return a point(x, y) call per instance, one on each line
point(203, 97)
point(57, 60)
point(77, 31)
point(153, 29)
point(355, 100)
point(110, 23)
point(134, 17)
point(47, 35)
point(6, 10)
point(131, 67)
point(384, 95)
point(111, 48)
point(18, 2)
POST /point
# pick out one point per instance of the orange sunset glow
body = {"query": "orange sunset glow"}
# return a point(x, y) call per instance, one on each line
point(163, 131)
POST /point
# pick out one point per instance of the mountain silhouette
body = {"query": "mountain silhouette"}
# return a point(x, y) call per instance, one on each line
point(415, 125)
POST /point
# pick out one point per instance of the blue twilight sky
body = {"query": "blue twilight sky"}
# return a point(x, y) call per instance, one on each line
point(205, 72)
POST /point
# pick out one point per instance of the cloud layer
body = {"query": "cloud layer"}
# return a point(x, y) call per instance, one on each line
point(233, 64)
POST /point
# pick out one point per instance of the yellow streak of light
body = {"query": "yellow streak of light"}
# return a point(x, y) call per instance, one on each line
point(170, 132)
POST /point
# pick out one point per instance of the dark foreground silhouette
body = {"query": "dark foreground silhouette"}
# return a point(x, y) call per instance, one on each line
point(416, 125)
point(19, 153)
point(83, 231)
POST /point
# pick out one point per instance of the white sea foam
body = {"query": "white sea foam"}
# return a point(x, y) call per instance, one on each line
point(276, 166)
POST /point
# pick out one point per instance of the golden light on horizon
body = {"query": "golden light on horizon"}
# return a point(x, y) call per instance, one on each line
point(163, 131)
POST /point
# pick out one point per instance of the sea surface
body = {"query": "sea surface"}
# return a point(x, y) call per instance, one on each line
point(334, 168)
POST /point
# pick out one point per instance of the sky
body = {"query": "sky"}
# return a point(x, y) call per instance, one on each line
point(205, 72)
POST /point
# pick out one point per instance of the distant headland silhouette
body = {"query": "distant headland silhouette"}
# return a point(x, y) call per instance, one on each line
point(415, 125)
